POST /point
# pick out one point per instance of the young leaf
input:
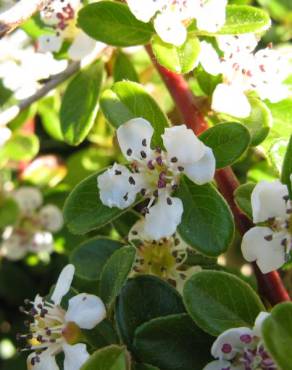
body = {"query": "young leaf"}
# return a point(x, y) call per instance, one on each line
point(173, 342)
point(113, 24)
point(127, 100)
point(287, 167)
point(218, 301)
point(83, 209)
point(242, 196)
point(80, 104)
point(124, 69)
point(277, 334)
point(115, 273)
point(228, 141)
point(182, 59)
point(207, 223)
point(108, 358)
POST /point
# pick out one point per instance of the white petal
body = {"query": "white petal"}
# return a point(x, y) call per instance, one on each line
point(230, 342)
point(209, 59)
point(86, 310)
point(115, 188)
point(144, 10)
point(212, 15)
point(47, 362)
point(182, 143)
point(231, 100)
point(82, 46)
point(50, 43)
point(170, 28)
point(267, 200)
point(63, 284)
point(202, 171)
point(13, 248)
point(163, 218)
point(218, 365)
point(134, 137)
point(269, 255)
point(75, 356)
point(257, 329)
point(28, 199)
point(5, 135)
point(51, 218)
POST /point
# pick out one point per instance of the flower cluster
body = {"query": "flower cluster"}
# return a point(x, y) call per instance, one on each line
point(171, 17)
point(33, 230)
point(269, 245)
point(62, 17)
point(155, 173)
point(244, 71)
point(165, 258)
point(53, 330)
point(241, 349)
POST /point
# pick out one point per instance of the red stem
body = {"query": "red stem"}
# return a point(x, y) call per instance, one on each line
point(270, 285)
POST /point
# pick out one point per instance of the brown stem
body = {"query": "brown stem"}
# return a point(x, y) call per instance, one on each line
point(270, 285)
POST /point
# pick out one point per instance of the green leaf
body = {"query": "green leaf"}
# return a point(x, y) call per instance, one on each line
point(287, 167)
point(277, 334)
point(142, 299)
point(228, 141)
point(115, 273)
point(124, 69)
point(242, 196)
point(21, 147)
point(113, 24)
point(207, 223)
point(127, 100)
point(108, 358)
point(83, 209)
point(9, 212)
point(90, 257)
point(218, 301)
point(179, 59)
point(80, 104)
point(173, 342)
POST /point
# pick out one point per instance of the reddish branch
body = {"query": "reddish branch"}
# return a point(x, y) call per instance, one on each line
point(270, 285)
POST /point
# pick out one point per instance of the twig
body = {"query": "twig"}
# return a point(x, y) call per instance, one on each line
point(270, 285)
point(18, 14)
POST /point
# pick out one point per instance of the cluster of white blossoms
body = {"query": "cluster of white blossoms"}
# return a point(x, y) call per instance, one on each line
point(22, 67)
point(53, 330)
point(171, 17)
point(61, 15)
point(244, 71)
point(241, 349)
point(33, 230)
point(164, 258)
point(269, 244)
point(155, 173)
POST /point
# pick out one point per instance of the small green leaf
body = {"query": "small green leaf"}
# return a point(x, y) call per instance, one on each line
point(80, 104)
point(127, 100)
point(21, 147)
point(179, 59)
point(124, 69)
point(115, 273)
point(228, 141)
point(218, 301)
point(142, 299)
point(173, 342)
point(242, 196)
point(83, 209)
point(277, 334)
point(113, 24)
point(287, 167)
point(90, 257)
point(207, 223)
point(108, 358)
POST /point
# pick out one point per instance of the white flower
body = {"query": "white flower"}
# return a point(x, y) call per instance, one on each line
point(164, 258)
point(269, 245)
point(155, 173)
point(54, 329)
point(171, 17)
point(244, 71)
point(241, 349)
point(62, 16)
point(5, 135)
point(34, 228)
